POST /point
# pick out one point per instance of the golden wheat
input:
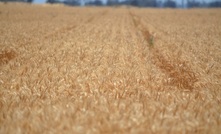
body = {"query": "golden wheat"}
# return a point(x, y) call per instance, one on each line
point(109, 70)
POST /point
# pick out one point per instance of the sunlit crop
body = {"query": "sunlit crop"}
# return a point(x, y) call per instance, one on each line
point(109, 70)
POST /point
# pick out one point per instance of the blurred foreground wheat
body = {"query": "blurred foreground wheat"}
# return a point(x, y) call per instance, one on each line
point(104, 70)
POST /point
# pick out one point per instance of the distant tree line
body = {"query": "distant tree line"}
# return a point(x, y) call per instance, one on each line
point(138, 3)
point(141, 3)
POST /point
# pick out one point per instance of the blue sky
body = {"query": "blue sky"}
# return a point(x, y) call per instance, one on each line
point(39, 1)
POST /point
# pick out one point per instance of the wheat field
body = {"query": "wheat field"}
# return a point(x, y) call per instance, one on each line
point(90, 70)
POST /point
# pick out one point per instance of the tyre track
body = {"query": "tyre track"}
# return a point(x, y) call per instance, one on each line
point(183, 44)
point(50, 37)
point(180, 74)
point(137, 23)
point(72, 27)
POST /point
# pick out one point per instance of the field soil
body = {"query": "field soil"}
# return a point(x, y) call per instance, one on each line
point(94, 70)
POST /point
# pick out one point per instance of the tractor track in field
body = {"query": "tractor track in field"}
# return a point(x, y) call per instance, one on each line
point(181, 75)
point(72, 27)
point(7, 55)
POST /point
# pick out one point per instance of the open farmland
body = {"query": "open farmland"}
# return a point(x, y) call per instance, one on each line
point(109, 70)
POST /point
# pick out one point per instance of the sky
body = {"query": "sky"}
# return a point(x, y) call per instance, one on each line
point(39, 1)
